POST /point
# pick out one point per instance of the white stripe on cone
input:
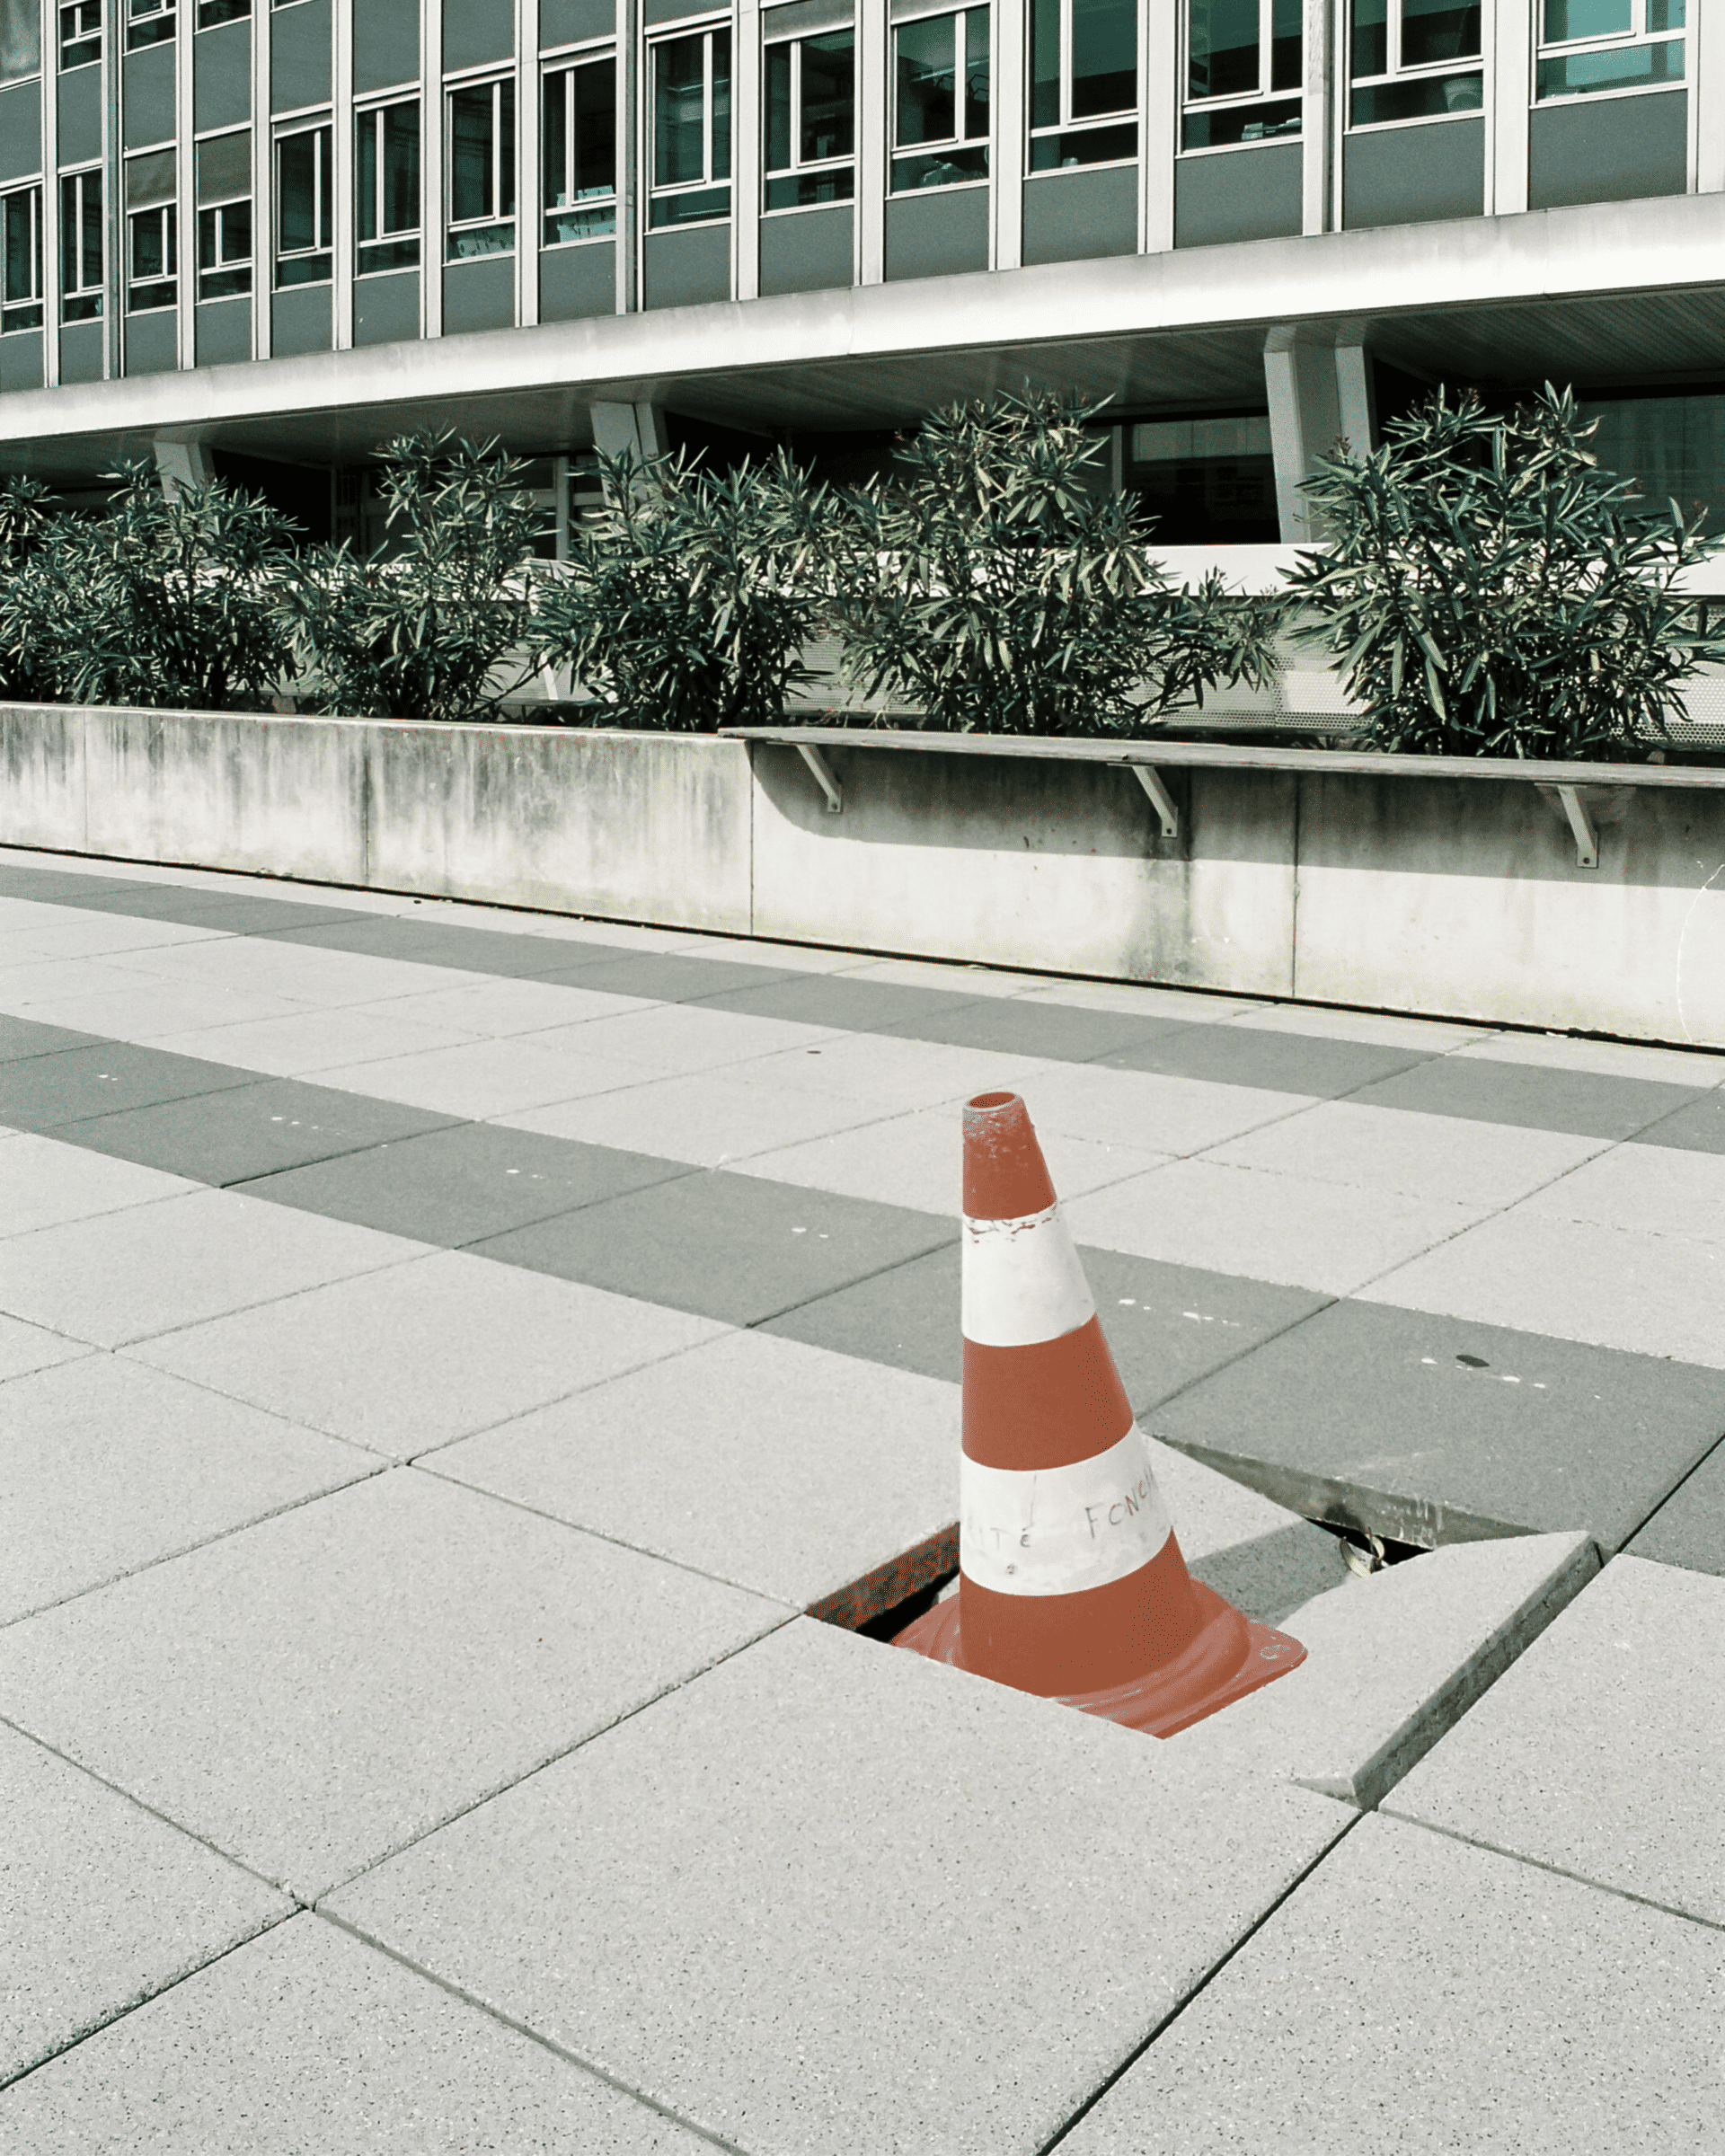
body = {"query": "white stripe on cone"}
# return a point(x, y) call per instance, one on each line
point(1021, 1281)
point(1059, 1529)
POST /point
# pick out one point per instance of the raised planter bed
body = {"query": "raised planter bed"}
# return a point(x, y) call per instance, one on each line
point(1438, 886)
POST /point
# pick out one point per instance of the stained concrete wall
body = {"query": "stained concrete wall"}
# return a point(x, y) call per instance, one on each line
point(1459, 897)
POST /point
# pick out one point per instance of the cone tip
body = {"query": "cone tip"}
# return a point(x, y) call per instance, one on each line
point(1005, 1177)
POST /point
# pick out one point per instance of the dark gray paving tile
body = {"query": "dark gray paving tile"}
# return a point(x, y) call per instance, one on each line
point(252, 1130)
point(1699, 1127)
point(154, 901)
point(823, 999)
point(20, 1038)
point(733, 1247)
point(49, 886)
point(1168, 1325)
point(42, 1093)
point(1689, 1528)
point(660, 977)
point(1432, 1430)
point(453, 943)
point(1282, 1063)
point(1064, 1032)
point(1532, 1095)
point(241, 914)
point(455, 1186)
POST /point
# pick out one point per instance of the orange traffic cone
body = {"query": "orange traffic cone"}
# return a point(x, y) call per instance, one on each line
point(1071, 1582)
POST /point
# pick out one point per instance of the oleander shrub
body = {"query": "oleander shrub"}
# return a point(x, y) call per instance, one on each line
point(436, 623)
point(995, 584)
point(1487, 589)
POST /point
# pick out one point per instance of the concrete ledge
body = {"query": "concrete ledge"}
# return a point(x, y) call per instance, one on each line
point(1295, 877)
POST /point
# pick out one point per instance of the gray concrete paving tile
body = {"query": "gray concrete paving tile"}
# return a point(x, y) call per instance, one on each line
point(50, 886)
point(728, 1246)
point(707, 1117)
point(402, 1360)
point(309, 1041)
point(59, 933)
point(27, 1348)
point(1382, 1029)
point(1060, 1032)
point(1650, 1190)
point(1612, 1287)
point(124, 1275)
point(151, 1009)
point(663, 1040)
point(1296, 1229)
point(488, 1008)
point(499, 950)
point(1699, 1127)
point(108, 1466)
point(1601, 1752)
point(1168, 1325)
point(1393, 1662)
point(1702, 1067)
point(319, 1689)
point(659, 977)
point(307, 2042)
point(834, 1897)
point(465, 1181)
point(476, 1079)
point(28, 981)
point(1287, 1063)
point(1538, 1096)
point(23, 1037)
point(1414, 1997)
point(44, 1091)
point(44, 1180)
point(732, 1458)
point(1689, 1528)
point(104, 1905)
point(857, 1007)
point(1265, 1560)
point(1430, 1429)
point(299, 972)
point(254, 1130)
point(1140, 1108)
point(890, 1070)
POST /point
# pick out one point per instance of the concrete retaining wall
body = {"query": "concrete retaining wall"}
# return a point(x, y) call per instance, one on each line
point(1461, 898)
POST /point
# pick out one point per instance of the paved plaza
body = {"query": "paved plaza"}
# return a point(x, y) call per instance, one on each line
point(474, 1387)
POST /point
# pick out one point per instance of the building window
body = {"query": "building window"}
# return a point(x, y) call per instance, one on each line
point(1586, 46)
point(387, 186)
point(224, 215)
point(80, 33)
point(481, 170)
point(21, 39)
point(940, 99)
point(1404, 55)
point(148, 22)
point(152, 238)
point(811, 121)
point(580, 152)
point(83, 256)
point(21, 260)
point(1240, 54)
point(303, 198)
point(210, 13)
point(691, 129)
point(1083, 74)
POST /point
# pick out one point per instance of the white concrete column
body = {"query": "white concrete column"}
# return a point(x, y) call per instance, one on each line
point(1320, 392)
point(430, 167)
point(873, 56)
point(745, 152)
point(113, 187)
point(1318, 94)
point(1158, 122)
point(1707, 97)
point(629, 158)
point(341, 160)
point(529, 195)
point(50, 198)
point(637, 428)
point(263, 187)
point(1509, 92)
point(185, 184)
point(180, 464)
point(1006, 152)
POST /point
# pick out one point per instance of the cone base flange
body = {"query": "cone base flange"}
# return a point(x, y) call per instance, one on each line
point(1230, 1656)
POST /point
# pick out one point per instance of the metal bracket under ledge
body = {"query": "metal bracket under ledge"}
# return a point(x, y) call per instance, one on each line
point(1150, 779)
point(1586, 840)
point(823, 778)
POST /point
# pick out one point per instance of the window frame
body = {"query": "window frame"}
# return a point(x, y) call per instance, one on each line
point(598, 207)
point(33, 303)
point(1266, 99)
point(497, 224)
point(150, 22)
point(156, 294)
point(662, 197)
point(322, 249)
point(213, 14)
point(84, 17)
point(403, 243)
point(803, 171)
point(900, 152)
point(83, 299)
point(1117, 123)
point(1463, 68)
point(1608, 41)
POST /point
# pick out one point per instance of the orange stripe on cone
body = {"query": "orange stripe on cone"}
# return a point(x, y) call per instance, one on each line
point(1072, 1583)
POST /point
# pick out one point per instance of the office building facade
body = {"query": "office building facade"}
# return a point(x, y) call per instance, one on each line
point(263, 237)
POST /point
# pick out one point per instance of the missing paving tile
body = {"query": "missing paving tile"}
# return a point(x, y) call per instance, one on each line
point(1363, 1552)
point(883, 1601)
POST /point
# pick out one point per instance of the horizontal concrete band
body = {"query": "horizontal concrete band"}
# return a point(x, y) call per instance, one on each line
point(1410, 1077)
point(1060, 1530)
